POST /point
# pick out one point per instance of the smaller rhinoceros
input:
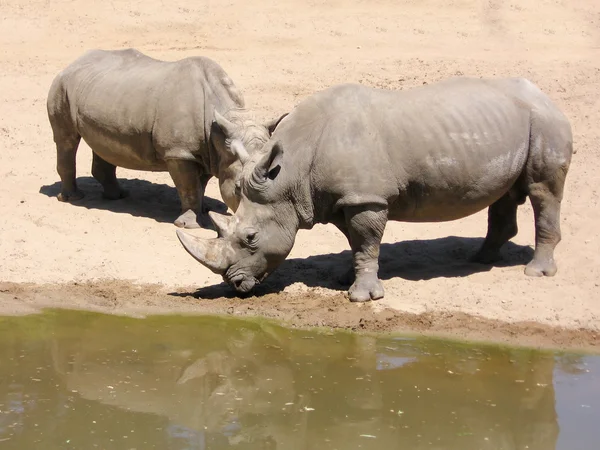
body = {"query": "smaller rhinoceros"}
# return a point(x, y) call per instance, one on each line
point(185, 117)
point(357, 157)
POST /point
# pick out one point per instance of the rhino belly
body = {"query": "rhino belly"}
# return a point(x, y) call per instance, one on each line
point(447, 188)
point(130, 149)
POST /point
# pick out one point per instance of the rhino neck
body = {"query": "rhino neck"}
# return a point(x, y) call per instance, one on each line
point(303, 205)
point(222, 96)
point(289, 223)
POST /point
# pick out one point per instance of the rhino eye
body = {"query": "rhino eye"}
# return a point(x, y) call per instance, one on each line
point(251, 237)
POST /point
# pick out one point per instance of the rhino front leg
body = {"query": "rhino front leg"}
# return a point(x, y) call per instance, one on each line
point(106, 174)
point(365, 224)
point(190, 186)
point(347, 277)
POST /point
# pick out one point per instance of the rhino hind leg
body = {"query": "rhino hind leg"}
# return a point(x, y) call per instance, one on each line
point(67, 141)
point(190, 185)
point(546, 210)
point(502, 226)
point(550, 151)
point(106, 174)
point(365, 225)
point(66, 138)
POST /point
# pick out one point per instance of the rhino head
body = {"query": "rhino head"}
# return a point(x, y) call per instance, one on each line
point(237, 136)
point(258, 237)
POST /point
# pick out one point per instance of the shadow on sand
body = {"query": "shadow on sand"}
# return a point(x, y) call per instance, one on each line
point(411, 260)
point(155, 201)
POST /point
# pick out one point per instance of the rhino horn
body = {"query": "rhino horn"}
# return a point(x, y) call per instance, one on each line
point(225, 125)
point(238, 149)
point(211, 253)
point(221, 222)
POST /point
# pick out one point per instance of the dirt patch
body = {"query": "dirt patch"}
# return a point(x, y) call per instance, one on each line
point(278, 53)
point(311, 309)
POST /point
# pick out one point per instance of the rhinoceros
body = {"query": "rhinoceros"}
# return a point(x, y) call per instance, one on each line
point(186, 117)
point(357, 157)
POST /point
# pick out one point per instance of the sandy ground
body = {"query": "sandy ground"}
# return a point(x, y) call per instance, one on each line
point(277, 53)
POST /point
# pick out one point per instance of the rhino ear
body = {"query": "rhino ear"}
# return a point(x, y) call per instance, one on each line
point(272, 124)
point(270, 164)
point(226, 127)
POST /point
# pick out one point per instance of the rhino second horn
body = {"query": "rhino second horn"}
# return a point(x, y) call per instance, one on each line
point(221, 223)
point(238, 149)
point(208, 252)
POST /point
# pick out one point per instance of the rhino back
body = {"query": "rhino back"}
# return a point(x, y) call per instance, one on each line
point(133, 110)
point(434, 153)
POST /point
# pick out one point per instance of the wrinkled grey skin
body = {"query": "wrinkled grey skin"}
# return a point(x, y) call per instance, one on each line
point(185, 117)
point(357, 157)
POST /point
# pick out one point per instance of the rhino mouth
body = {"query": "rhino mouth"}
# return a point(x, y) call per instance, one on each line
point(241, 282)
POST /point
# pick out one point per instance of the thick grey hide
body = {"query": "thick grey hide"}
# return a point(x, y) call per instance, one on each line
point(185, 117)
point(356, 157)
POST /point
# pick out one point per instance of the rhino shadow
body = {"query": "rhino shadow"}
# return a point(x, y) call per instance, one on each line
point(152, 200)
point(415, 260)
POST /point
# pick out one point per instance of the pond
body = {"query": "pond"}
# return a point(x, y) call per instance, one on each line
point(80, 380)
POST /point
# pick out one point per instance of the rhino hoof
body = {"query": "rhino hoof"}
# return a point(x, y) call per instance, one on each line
point(70, 196)
point(365, 289)
point(187, 220)
point(540, 269)
point(190, 219)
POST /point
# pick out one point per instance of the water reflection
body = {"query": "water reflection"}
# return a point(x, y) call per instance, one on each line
point(80, 380)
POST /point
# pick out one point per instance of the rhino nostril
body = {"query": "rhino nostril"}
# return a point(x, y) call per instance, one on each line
point(237, 280)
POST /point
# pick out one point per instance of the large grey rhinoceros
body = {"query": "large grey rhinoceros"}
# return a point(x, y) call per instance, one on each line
point(185, 117)
point(357, 157)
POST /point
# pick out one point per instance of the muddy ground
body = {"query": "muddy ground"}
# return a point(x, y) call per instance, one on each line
point(123, 256)
point(313, 308)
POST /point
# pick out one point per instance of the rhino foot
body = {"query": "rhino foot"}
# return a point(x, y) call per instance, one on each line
point(70, 196)
point(190, 219)
point(366, 288)
point(187, 220)
point(541, 268)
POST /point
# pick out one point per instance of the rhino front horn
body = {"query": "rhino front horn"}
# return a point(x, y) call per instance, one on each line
point(212, 253)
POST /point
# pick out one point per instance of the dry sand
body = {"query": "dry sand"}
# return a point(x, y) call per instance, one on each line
point(101, 255)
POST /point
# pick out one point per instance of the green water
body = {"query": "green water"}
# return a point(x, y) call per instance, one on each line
point(73, 380)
